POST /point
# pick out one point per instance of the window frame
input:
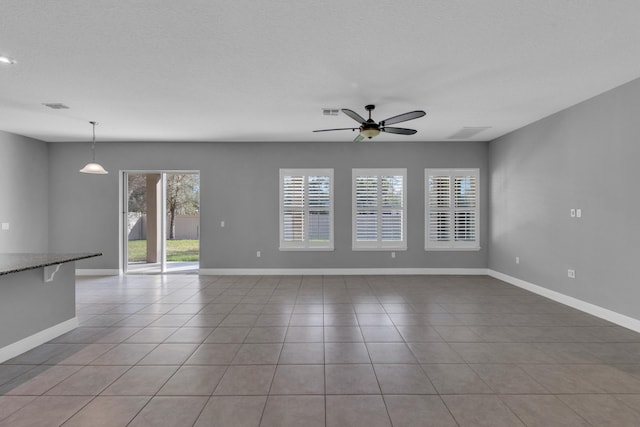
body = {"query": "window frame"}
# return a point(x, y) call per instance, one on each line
point(452, 245)
point(378, 244)
point(306, 245)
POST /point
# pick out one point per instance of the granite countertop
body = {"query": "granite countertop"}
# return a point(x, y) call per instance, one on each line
point(16, 262)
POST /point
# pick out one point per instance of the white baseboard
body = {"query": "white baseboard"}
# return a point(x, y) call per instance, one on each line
point(17, 348)
point(339, 271)
point(97, 272)
point(310, 271)
point(595, 310)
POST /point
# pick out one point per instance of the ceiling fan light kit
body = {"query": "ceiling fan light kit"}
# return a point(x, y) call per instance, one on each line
point(369, 132)
point(369, 128)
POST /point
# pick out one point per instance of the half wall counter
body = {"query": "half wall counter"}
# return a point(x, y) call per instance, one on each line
point(37, 299)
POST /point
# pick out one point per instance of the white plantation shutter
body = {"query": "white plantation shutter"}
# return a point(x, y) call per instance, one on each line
point(319, 208)
point(293, 208)
point(439, 208)
point(451, 209)
point(306, 209)
point(367, 208)
point(379, 209)
point(392, 199)
point(465, 196)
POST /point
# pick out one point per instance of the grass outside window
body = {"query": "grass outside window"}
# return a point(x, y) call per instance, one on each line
point(177, 250)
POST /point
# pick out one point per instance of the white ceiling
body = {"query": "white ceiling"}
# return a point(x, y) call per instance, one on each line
point(247, 70)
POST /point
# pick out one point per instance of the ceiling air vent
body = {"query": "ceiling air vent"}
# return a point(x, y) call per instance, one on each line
point(468, 132)
point(56, 106)
point(330, 111)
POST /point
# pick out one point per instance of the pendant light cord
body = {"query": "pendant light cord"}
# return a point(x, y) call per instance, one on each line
point(93, 146)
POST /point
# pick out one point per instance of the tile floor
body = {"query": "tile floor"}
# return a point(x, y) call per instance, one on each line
point(185, 350)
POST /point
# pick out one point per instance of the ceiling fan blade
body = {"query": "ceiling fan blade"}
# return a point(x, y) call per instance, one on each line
point(355, 116)
point(401, 131)
point(402, 117)
point(329, 130)
point(358, 138)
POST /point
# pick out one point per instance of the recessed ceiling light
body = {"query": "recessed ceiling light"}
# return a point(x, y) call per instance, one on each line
point(7, 60)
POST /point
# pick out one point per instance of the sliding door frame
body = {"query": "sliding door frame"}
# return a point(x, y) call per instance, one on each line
point(124, 209)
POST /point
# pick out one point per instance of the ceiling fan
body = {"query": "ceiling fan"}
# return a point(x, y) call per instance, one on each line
point(368, 128)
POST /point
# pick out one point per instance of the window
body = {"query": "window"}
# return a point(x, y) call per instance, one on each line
point(451, 209)
point(306, 209)
point(379, 206)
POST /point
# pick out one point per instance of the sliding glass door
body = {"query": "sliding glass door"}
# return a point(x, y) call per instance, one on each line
point(161, 221)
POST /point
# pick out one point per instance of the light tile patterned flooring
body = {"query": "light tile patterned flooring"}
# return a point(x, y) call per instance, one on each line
point(184, 350)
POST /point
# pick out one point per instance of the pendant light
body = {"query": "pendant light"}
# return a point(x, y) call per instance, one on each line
point(93, 167)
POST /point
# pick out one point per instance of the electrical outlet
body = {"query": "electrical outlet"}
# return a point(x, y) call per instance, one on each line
point(573, 213)
point(578, 213)
point(393, 254)
point(258, 254)
point(222, 224)
point(5, 226)
point(517, 260)
point(571, 273)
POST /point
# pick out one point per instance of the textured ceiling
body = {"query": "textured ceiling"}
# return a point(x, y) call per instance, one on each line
point(244, 70)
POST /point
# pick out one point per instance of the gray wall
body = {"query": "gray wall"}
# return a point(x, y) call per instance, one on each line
point(24, 167)
point(239, 185)
point(584, 157)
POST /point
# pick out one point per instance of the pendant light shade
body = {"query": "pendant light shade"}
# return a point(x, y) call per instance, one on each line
point(95, 168)
point(92, 166)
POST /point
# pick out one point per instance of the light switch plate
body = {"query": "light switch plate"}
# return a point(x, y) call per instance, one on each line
point(5, 226)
